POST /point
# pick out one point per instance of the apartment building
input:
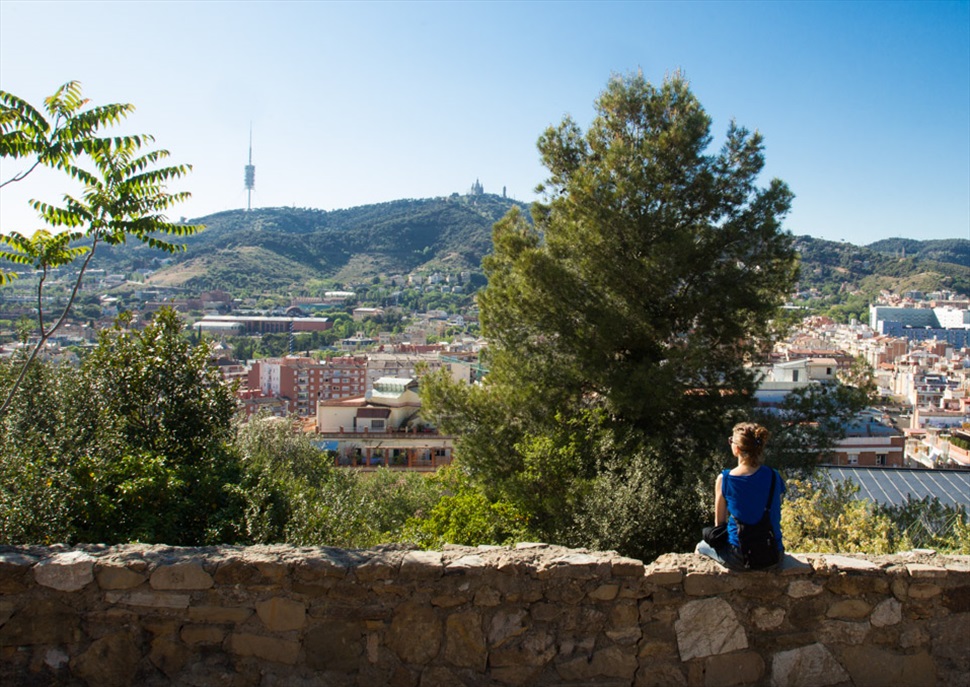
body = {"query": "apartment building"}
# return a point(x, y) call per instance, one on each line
point(301, 382)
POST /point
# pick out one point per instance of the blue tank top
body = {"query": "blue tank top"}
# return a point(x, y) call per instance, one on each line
point(746, 496)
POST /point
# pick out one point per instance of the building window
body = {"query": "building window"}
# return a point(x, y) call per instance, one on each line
point(853, 460)
point(377, 424)
point(880, 459)
point(794, 375)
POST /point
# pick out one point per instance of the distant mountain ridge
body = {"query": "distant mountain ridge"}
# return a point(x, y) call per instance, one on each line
point(281, 249)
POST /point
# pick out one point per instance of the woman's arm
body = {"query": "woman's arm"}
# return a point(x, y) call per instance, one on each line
point(720, 505)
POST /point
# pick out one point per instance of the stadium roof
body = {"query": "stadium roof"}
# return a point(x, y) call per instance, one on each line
point(890, 486)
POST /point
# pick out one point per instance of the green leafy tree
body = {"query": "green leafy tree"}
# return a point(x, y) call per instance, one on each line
point(133, 446)
point(621, 320)
point(123, 194)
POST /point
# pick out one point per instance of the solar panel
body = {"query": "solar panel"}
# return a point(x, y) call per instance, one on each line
point(890, 486)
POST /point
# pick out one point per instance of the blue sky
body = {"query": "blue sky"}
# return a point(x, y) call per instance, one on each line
point(865, 107)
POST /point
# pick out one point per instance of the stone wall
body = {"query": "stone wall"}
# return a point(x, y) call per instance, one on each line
point(532, 615)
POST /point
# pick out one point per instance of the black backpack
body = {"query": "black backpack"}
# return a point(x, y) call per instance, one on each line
point(759, 548)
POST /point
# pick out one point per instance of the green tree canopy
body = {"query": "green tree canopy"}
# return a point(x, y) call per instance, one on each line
point(620, 323)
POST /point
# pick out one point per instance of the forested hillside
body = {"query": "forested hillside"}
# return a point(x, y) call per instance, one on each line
point(281, 249)
point(897, 265)
point(278, 249)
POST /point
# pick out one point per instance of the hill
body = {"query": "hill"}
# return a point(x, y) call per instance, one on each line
point(281, 250)
point(896, 265)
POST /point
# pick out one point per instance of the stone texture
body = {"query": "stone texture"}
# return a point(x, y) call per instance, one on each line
point(415, 633)
point(809, 666)
point(169, 656)
point(109, 662)
point(265, 648)
point(606, 663)
point(537, 615)
point(219, 614)
point(506, 624)
point(465, 641)
point(279, 614)
point(842, 632)
point(767, 618)
point(335, 646)
point(181, 576)
point(65, 572)
point(46, 621)
point(150, 599)
point(117, 576)
point(708, 627)
point(887, 612)
point(730, 670)
point(708, 584)
point(799, 589)
point(849, 609)
point(871, 666)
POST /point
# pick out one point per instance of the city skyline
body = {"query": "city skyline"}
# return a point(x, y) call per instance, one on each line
point(865, 107)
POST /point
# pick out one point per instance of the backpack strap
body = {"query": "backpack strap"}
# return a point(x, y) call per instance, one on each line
point(771, 491)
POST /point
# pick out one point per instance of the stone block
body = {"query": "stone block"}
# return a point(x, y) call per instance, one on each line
point(182, 576)
point(871, 666)
point(488, 597)
point(626, 567)
point(438, 676)
point(887, 612)
point(711, 584)
point(472, 564)
point(842, 632)
point(924, 590)
point(915, 636)
point(322, 566)
point(829, 561)
point(807, 666)
point(115, 577)
point(506, 624)
point(465, 641)
point(149, 599)
point(533, 652)
point(415, 633)
point(379, 567)
point(219, 614)
point(662, 675)
point(41, 621)
point(422, 564)
point(730, 670)
point(604, 592)
point(708, 627)
point(611, 662)
point(857, 585)
point(765, 618)
point(281, 615)
point(66, 572)
point(799, 589)
point(264, 648)
point(575, 565)
point(920, 570)
point(849, 609)
point(335, 646)
point(108, 662)
point(957, 600)
point(203, 634)
point(664, 577)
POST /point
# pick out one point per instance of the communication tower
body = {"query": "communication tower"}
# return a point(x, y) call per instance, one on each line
point(250, 173)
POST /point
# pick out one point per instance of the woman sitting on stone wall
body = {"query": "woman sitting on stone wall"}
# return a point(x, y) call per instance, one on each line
point(749, 494)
